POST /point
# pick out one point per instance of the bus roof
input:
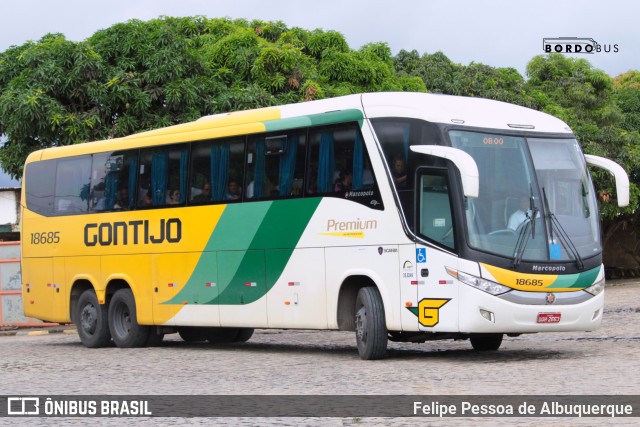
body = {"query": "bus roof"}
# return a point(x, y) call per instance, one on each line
point(461, 110)
point(446, 109)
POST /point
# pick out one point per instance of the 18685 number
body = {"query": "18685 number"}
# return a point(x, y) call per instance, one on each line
point(45, 238)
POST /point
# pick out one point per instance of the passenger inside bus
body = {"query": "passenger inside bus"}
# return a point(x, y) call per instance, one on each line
point(174, 197)
point(344, 181)
point(233, 192)
point(122, 201)
point(399, 172)
point(205, 194)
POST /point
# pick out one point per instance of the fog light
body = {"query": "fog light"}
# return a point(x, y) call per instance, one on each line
point(596, 314)
point(488, 315)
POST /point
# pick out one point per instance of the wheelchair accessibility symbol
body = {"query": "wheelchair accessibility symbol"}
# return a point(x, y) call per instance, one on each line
point(421, 255)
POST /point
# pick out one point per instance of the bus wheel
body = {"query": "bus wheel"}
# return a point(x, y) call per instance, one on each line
point(222, 335)
point(486, 342)
point(371, 329)
point(192, 334)
point(244, 334)
point(123, 323)
point(91, 321)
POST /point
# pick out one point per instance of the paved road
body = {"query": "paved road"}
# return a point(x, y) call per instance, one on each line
point(308, 362)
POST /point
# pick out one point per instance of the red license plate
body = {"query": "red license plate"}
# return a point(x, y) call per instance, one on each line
point(549, 317)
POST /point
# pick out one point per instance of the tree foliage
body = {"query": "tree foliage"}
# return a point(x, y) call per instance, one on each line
point(139, 75)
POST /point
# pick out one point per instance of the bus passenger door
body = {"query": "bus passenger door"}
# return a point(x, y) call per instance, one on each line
point(437, 290)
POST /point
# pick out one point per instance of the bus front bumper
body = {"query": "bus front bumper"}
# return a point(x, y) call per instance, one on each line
point(481, 312)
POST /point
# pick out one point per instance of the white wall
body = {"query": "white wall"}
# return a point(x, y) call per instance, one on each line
point(8, 207)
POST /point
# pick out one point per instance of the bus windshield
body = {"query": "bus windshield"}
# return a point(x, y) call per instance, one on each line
point(534, 193)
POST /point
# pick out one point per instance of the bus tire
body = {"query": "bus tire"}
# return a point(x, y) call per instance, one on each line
point(91, 321)
point(486, 342)
point(371, 329)
point(123, 321)
point(192, 334)
point(244, 335)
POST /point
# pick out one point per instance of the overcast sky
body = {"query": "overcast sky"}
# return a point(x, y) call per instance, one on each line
point(499, 33)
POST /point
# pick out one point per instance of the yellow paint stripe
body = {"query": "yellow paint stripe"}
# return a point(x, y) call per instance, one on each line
point(240, 123)
point(215, 121)
point(351, 234)
point(522, 281)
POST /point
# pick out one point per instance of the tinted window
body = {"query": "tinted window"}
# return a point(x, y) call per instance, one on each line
point(39, 186)
point(113, 181)
point(216, 170)
point(435, 220)
point(396, 135)
point(72, 185)
point(275, 165)
point(163, 176)
point(339, 166)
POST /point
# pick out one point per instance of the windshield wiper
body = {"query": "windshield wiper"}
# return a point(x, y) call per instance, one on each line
point(564, 238)
point(523, 237)
point(521, 244)
point(534, 212)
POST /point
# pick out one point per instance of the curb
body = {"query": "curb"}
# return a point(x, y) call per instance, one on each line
point(49, 331)
point(37, 332)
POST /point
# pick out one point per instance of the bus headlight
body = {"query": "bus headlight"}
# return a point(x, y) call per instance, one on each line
point(485, 285)
point(596, 288)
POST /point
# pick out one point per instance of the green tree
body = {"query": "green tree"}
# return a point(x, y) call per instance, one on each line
point(49, 95)
point(441, 75)
point(139, 75)
point(574, 91)
point(627, 96)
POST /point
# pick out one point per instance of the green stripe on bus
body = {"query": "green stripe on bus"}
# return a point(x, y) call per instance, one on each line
point(341, 116)
point(290, 123)
point(351, 115)
point(281, 229)
point(577, 281)
point(235, 257)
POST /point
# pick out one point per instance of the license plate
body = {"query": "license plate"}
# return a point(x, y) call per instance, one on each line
point(549, 317)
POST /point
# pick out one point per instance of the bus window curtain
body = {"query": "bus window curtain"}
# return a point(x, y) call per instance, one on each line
point(259, 171)
point(159, 172)
point(219, 171)
point(133, 172)
point(358, 161)
point(184, 167)
point(288, 166)
point(110, 189)
point(326, 164)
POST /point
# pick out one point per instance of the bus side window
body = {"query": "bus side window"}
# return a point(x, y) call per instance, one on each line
point(72, 185)
point(216, 170)
point(165, 169)
point(339, 165)
point(275, 165)
point(113, 177)
point(434, 209)
point(40, 186)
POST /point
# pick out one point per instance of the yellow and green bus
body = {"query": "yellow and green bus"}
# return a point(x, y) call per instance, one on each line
point(399, 216)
